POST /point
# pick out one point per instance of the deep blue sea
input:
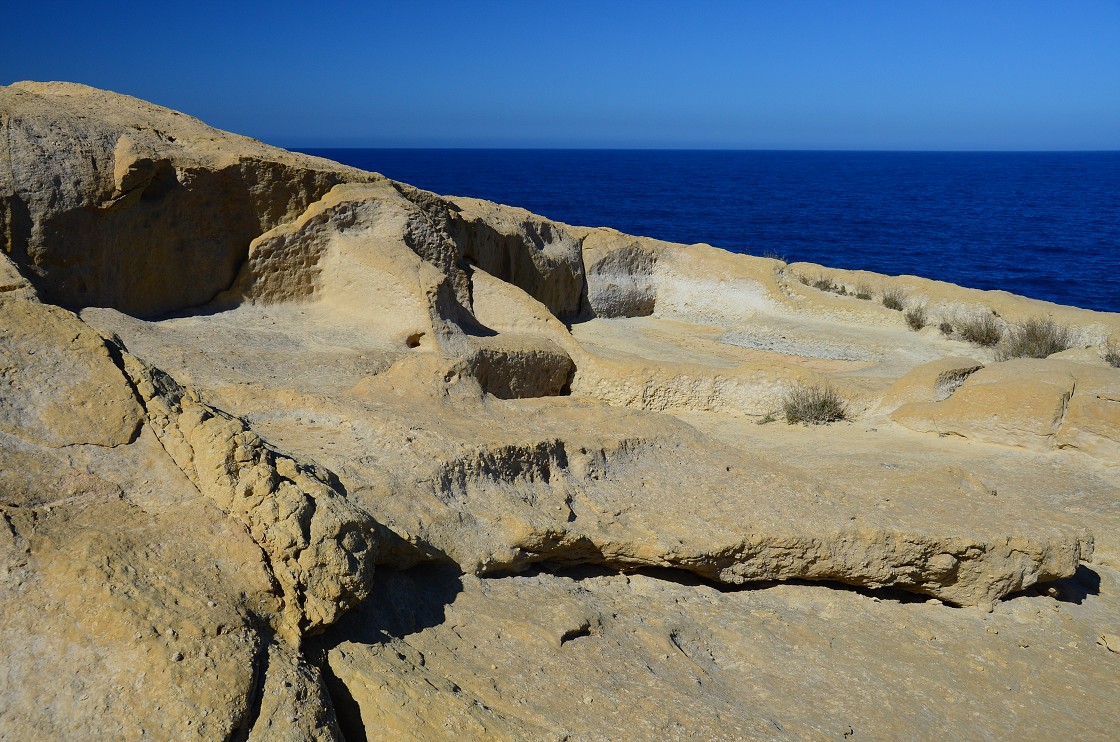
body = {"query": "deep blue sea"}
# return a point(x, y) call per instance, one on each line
point(1045, 225)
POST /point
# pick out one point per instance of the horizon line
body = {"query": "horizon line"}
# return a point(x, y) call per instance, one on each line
point(714, 149)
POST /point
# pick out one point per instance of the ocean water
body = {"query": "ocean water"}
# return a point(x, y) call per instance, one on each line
point(1045, 225)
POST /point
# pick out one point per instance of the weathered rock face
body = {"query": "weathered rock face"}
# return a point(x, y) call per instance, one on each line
point(544, 438)
point(107, 200)
point(320, 549)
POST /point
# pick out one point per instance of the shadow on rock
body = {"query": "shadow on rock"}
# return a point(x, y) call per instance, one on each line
point(401, 603)
point(1084, 582)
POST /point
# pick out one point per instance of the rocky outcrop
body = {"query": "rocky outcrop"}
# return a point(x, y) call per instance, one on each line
point(107, 200)
point(320, 549)
point(560, 447)
point(1034, 403)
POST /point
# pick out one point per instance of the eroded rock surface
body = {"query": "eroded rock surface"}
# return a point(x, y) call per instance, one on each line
point(560, 446)
point(58, 384)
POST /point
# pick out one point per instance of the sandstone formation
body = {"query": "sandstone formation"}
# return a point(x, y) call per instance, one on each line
point(293, 451)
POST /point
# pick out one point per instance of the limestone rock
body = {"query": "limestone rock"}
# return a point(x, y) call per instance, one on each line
point(12, 283)
point(511, 366)
point(620, 279)
point(497, 486)
point(119, 623)
point(1092, 420)
point(320, 548)
point(294, 704)
point(58, 384)
point(496, 239)
point(107, 200)
point(557, 444)
point(931, 382)
point(1037, 404)
point(605, 656)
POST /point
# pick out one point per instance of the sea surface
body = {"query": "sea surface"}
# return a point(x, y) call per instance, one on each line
point(1045, 225)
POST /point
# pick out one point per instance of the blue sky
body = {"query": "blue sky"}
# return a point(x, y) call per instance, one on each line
point(797, 74)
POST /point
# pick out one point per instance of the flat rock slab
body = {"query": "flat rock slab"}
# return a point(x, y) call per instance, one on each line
point(593, 655)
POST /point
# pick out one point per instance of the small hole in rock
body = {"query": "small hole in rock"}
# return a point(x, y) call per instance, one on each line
point(413, 340)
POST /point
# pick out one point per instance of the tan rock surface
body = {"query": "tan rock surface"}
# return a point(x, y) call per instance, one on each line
point(648, 658)
point(58, 385)
point(118, 622)
point(111, 201)
point(285, 371)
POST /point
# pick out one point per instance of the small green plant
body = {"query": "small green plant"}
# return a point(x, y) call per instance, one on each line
point(1112, 354)
point(946, 328)
point(894, 299)
point(814, 405)
point(824, 284)
point(916, 317)
point(982, 328)
point(1036, 338)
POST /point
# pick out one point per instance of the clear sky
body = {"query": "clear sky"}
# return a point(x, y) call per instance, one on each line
point(785, 74)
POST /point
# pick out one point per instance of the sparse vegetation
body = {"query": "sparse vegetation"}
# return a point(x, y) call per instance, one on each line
point(1111, 353)
point(814, 405)
point(774, 256)
point(946, 328)
point(863, 293)
point(824, 284)
point(768, 418)
point(982, 328)
point(916, 317)
point(1036, 338)
point(894, 299)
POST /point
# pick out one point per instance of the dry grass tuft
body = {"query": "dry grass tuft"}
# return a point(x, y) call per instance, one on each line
point(894, 299)
point(982, 328)
point(824, 284)
point(814, 405)
point(1036, 338)
point(916, 318)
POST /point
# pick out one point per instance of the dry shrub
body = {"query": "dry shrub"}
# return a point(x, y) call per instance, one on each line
point(982, 328)
point(894, 299)
point(814, 405)
point(1111, 353)
point(1036, 338)
point(916, 318)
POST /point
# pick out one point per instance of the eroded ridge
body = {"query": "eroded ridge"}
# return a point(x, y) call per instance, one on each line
point(642, 499)
point(320, 547)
